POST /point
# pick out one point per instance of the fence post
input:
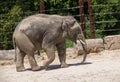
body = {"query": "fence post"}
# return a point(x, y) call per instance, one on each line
point(91, 19)
point(42, 7)
point(82, 19)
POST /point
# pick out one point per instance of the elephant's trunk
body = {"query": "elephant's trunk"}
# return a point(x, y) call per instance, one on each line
point(84, 45)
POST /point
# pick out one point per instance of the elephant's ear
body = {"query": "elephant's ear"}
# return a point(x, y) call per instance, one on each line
point(65, 25)
point(65, 28)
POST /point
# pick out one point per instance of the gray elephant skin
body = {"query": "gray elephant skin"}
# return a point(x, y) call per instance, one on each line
point(47, 32)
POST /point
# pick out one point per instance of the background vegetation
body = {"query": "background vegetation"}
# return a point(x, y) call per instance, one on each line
point(13, 11)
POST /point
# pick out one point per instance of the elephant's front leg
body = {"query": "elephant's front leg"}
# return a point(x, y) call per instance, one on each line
point(51, 56)
point(61, 48)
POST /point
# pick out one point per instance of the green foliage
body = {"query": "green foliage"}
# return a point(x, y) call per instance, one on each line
point(60, 5)
point(69, 43)
point(9, 26)
point(104, 7)
point(13, 11)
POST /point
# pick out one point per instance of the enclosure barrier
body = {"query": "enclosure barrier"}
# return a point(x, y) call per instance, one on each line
point(78, 16)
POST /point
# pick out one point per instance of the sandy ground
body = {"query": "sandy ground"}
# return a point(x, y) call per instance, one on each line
point(99, 67)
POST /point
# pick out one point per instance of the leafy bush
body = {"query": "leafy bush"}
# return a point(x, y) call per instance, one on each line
point(12, 12)
point(106, 15)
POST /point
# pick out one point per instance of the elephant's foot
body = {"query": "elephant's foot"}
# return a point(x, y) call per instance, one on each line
point(64, 65)
point(45, 65)
point(36, 68)
point(20, 69)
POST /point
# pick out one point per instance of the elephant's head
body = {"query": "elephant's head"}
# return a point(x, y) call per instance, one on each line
point(73, 31)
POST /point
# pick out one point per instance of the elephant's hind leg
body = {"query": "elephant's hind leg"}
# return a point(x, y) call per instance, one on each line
point(33, 62)
point(20, 60)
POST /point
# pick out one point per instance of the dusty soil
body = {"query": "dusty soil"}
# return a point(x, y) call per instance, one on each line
point(99, 67)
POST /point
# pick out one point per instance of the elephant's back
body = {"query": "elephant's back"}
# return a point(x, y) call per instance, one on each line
point(31, 21)
point(35, 26)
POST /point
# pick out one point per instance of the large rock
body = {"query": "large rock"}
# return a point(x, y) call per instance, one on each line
point(112, 42)
point(10, 55)
point(7, 54)
point(93, 46)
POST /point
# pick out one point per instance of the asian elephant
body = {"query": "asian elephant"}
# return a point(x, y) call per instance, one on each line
point(42, 31)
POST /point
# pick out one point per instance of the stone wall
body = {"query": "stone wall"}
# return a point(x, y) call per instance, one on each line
point(7, 54)
point(93, 46)
point(97, 45)
point(112, 42)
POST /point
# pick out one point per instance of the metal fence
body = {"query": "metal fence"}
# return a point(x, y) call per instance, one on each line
point(77, 16)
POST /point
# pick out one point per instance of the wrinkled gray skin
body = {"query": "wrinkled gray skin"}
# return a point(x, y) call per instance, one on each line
point(46, 32)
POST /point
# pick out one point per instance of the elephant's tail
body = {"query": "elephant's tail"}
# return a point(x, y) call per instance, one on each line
point(14, 45)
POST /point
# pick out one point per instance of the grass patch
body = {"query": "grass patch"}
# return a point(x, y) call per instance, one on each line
point(69, 43)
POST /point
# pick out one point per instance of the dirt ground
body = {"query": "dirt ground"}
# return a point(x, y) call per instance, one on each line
point(99, 67)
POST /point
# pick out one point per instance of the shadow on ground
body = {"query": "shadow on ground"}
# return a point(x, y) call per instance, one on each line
point(53, 67)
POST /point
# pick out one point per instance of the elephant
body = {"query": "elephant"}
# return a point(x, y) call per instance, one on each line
point(47, 32)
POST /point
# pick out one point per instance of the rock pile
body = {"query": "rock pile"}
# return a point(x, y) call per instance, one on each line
point(98, 45)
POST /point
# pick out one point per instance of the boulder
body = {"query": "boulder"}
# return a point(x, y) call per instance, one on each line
point(112, 42)
point(7, 54)
point(93, 46)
